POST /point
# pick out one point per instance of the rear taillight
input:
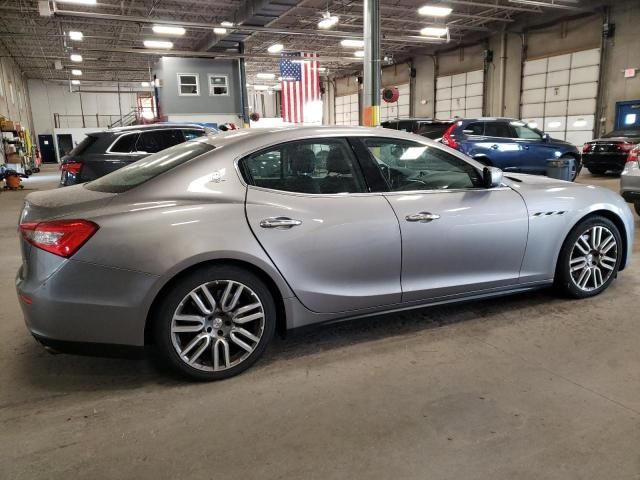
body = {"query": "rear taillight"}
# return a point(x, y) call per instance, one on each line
point(60, 237)
point(634, 155)
point(587, 147)
point(447, 138)
point(71, 167)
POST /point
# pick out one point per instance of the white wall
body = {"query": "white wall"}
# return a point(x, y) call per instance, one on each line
point(16, 107)
point(48, 98)
point(77, 135)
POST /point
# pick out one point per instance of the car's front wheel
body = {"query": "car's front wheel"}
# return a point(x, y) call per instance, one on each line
point(589, 258)
point(215, 322)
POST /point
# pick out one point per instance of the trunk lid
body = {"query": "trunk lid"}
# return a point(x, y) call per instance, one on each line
point(67, 201)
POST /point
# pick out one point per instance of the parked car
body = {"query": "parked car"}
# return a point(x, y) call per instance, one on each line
point(427, 127)
point(204, 253)
point(630, 179)
point(509, 144)
point(104, 152)
point(610, 151)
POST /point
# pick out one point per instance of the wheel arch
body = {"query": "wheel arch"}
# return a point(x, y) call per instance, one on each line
point(278, 297)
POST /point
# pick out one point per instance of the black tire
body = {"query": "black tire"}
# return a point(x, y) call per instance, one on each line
point(563, 281)
point(637, 207)
point(597, 171)
point(165, 311)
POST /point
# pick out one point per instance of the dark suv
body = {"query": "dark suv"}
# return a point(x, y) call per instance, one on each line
point(103, 152)
point(427, 127)
point(509, 144)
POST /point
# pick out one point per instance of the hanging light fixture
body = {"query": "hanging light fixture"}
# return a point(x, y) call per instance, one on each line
point(327, 21)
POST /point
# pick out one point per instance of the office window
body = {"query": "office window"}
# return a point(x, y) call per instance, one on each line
point(188, 84)
point(218, 85)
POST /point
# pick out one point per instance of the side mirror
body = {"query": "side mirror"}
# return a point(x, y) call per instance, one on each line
point(546, 137)
point(491, 177)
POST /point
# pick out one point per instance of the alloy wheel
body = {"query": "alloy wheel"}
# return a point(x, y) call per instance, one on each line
point(217, 325)
point(593, 258)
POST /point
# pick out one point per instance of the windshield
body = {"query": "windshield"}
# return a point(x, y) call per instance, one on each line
point(623, 133)
point(150, 167)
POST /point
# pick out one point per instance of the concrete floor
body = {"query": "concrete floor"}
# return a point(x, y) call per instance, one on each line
point(526, 387)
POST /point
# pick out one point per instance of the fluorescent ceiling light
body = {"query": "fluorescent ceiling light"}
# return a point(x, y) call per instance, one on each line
point(227, 24)
point(327, 20)
point(75, 82)
point(351, 43)
point(75, 58)
point(77, 73)
point(158, 44)
point(83, 2)
point(219, 30)
point(266, 76)
point(322, 69)
point(434, 31)
point(76, 36)
point(168, 30)
point(434, 11)
point(144, 84)
point(359, 53)
point(260, 87)
point(275, 48)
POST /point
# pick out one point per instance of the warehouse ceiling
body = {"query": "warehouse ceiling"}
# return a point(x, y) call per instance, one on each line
point(114, 30)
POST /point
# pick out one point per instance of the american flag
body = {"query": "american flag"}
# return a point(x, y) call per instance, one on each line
point(300, 84)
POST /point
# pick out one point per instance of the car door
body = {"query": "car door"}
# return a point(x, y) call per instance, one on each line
point(534, 150)
point(457, 236)
point(336, 244)
point(497, 145)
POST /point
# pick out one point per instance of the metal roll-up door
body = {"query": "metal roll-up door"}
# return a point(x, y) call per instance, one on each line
point(399, 109)
point(460, 95)
point(347, 110)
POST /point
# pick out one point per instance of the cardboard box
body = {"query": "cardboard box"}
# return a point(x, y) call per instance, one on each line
point(7, 125)
point(14, 158)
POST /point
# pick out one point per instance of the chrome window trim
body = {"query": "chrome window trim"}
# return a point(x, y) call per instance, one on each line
point(108, 150)
point(138, 132)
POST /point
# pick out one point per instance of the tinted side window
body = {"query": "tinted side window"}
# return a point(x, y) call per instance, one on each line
point(314, 166)
point(191, 134)
point(497, 129)
point(158, 140)
point(476, 128)
point(522, 131)
point(407, 165)
point(125, 144)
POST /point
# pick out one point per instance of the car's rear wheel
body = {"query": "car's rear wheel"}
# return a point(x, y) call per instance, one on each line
point(589, 258)
point(597, 171)
point(215, 322)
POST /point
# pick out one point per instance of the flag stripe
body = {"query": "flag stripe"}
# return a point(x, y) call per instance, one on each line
point(300, 84)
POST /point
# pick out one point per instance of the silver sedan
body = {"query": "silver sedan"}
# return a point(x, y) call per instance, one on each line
point(206, 249)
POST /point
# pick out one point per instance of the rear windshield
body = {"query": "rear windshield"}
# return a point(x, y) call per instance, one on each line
point(83, 146)
point(623, 133)
point(432, 130)
point(150, 167)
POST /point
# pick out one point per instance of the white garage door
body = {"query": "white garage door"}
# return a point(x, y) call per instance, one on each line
point(559, 94)
point(399, 109)
point(347, 110)
point(460, 95)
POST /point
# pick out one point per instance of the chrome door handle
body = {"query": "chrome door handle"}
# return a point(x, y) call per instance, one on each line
point(494, 146)
point(422, 217)
point(280, 222)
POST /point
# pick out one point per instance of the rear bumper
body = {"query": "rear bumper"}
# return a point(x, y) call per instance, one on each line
point(609, 162)
point(87, 303)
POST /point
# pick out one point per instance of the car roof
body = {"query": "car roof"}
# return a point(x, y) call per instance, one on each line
point(159, 126)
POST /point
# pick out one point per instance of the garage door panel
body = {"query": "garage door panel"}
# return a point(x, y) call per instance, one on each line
point(531, 67)
point(532, 110)
point(403, 110)
point(555, 109)
point(473, 113)
point(443, 105)
point(560, 62)
point(578, 138)
point(475, 89)
point(585, 74)
point(556, 94)
point(561, 77)
point(583, 90)
point(580, 122)
point(443, 82)
point(474, 102)
point(459, 103)
point(404, 89)
point(477, 76)
point(443, 115)
point(460, 79)
point(581, 107)
point(555, 124)
point(533, 96)
point(443, 94)
point(457, 92)
point(534, 122)
point(585, 58)
point(534, 81)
